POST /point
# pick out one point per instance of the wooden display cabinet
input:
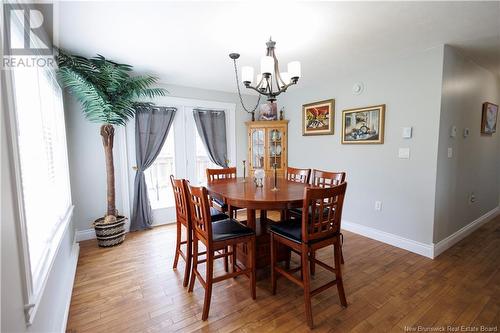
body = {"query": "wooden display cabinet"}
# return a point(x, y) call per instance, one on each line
point(267, 144)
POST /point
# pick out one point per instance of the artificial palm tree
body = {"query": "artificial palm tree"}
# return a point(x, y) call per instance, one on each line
point(109, 95)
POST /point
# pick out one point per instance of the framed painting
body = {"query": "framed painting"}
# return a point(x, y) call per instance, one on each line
point(318, 118)
point(363, 125)
point(489, 118)
point(268, 111)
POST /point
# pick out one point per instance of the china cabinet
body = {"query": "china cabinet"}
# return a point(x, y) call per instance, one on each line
point(267, 145)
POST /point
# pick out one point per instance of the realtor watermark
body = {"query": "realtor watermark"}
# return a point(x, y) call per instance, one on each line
point(451, 328)
point(28, 33)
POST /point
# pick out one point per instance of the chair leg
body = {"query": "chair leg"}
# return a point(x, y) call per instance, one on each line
point(234, 257)
point(288, 258)
point(209, 282)
point(312, 263)
point(177, 245)
point(189, 257)
point(338, 273)
point(252, 251)
point(273, 264)
point(341, 256)
point(226, 261)
point(195, 264)
point(307, 284)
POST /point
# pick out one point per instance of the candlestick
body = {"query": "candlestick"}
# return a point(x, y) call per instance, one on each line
point(244, 170)
point(275, 188)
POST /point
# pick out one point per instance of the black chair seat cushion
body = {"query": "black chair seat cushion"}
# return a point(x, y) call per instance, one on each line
point(291, 229)
point(220, 203)
point(229, 228)
point(217, 215)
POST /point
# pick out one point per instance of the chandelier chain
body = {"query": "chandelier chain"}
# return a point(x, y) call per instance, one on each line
point(239, 91)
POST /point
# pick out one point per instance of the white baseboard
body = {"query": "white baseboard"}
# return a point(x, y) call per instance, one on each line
point(81, 235)
point(423, 249)
point(458, 235)
point(73, 264)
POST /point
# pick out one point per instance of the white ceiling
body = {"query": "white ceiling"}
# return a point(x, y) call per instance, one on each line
point(187, 43)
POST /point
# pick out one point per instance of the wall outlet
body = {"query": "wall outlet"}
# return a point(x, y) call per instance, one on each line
point(404, 153)
point(378, 205)
point(472, 198)
point(450, 152)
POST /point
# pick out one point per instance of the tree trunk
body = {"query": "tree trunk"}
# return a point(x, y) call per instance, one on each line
point(108, 134)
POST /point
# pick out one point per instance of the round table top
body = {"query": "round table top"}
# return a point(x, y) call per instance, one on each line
point(244, 193)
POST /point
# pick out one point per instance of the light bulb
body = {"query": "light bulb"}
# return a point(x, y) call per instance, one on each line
point(247, 74)
point(294, 69)
point(266, 65)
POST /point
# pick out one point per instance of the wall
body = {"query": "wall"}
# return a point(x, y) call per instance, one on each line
point(475, 165)
point(88, 177)
point(51, 315)
point(411, 90)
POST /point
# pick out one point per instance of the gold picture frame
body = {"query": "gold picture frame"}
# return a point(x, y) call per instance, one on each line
point(363, 125)
point(318, 118)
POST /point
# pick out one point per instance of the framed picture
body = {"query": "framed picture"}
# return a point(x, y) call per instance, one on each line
point(268, 111)
point(363, 125)
point(318, 118)
point(489, 118)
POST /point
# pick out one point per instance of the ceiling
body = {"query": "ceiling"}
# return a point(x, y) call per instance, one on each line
point(187, 43)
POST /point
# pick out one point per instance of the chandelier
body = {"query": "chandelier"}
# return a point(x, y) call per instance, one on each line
point(270, 82)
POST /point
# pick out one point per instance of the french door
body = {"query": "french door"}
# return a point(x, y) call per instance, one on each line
point(183, 155)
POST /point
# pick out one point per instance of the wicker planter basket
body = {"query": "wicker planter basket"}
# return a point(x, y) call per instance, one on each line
point(110, 234)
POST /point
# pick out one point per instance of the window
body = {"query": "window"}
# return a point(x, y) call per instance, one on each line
point(42, 174)
point(202, 160)
point(158, 175)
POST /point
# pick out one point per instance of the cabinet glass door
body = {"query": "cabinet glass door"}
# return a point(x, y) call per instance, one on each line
point(258, 143)
point(275, 146)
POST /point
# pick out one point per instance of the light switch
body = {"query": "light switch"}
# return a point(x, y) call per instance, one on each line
point(404, 153)
point(450, 152)
point(466, 132)
point(407, 132)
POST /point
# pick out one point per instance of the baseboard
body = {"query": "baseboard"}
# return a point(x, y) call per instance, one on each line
point(457, 236)
point(81, 235)
point(73, 265)
point(422, 249)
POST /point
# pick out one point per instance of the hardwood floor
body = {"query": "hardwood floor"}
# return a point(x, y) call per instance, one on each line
point(132, 288)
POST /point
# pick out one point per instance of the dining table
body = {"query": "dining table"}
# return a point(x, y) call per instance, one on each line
point(277, 195)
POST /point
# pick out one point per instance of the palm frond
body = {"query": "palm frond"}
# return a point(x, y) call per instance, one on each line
point(105, 89)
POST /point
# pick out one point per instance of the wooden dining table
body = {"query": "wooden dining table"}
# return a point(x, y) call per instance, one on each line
point(240, 193)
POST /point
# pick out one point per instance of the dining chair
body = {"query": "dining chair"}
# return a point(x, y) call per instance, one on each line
point(298, 175)
point(325, 179)
point(179, 187)
point(217, 236)
point(313, 232)
point(219, 174)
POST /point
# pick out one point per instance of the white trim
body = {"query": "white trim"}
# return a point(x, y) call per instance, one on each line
point(423, 249)
point(458, 235)
point(73, 264)
point(82, 235)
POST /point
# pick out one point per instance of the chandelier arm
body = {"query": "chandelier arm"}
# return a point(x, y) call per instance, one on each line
point(239, 92)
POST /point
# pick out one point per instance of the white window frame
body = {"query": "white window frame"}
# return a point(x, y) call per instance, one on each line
point(32, 296)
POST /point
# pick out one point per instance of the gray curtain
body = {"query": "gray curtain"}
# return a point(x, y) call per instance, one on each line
point(151, 129)
point(211, 125)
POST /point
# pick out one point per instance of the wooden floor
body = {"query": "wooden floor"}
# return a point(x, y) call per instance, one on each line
point(132, 288)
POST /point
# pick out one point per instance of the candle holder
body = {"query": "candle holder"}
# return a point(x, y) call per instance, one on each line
point(275, 188)
point(244, 171)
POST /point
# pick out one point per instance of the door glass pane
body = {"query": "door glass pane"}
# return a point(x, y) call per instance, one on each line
point(258, 148)
point(275, 148)
point(202, 161)
point(158, 175)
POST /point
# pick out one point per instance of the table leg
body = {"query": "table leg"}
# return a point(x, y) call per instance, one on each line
point(263, 215)
point(251, 218)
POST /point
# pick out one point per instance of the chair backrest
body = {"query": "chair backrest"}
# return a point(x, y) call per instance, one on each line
point(298, 175)
point(216, 174)
point(182, 211)
point(327, 179)
point(325, 207)
point(200, 212)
